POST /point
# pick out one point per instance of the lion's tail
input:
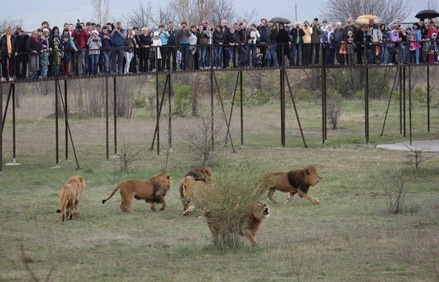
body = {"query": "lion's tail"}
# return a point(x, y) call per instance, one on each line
point(63, 199)
point(112, 193)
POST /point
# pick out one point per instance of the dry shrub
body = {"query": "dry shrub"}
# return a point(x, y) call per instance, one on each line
point(231, 195)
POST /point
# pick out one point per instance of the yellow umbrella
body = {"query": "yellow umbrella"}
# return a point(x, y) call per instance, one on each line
point(364, 19)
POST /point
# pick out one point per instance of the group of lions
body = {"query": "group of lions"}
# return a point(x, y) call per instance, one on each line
point(153, 190)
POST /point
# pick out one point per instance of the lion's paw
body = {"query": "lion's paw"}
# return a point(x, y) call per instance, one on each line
point(316, 201)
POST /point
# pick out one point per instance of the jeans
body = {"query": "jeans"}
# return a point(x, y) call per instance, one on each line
point(217, 56)
point(94, 59)
point(106, 55)
point(128, 58)
point(184, 49)
point(296, 55)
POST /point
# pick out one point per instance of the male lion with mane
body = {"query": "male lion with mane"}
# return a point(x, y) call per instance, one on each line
point(69, 196)
point(294, 181)
point(152, 190)
point(249, 225)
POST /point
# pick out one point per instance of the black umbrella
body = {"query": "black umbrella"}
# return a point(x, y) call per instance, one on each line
point(280, 20)
point(427, 14)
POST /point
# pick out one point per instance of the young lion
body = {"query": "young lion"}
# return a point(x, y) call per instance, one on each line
point(194, 179)
point(294, 181)
point(152, 190)
point(70, 194)
point(249, 225)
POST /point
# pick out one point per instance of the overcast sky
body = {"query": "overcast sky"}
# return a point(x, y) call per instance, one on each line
point(32, 13)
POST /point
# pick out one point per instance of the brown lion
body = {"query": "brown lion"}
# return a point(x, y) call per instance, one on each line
point(294, 181)
point(249, 225)
point(194, 179)
point(69, 196)
point(203, 173)
point(152, 190)
point(188, 189)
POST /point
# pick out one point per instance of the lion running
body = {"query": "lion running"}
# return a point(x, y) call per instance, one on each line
point(193, 180)
point(294, 181)
point(152, 190)
point(69, 196)
point(249, 225)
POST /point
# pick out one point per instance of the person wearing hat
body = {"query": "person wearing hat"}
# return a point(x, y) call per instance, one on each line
point(316, 40)
point(94, 44)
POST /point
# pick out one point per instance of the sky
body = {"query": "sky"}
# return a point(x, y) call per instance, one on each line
point(31, 13)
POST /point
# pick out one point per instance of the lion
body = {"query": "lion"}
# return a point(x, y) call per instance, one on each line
point(69, 196)
point(188, 189)
point(152, 190)
point(196, 177)
point(249, 225)
point(203, 173)
point(294, 181)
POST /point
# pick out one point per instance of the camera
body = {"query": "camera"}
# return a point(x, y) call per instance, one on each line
point(78, 26)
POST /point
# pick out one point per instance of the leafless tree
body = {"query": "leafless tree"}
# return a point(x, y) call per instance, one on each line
point(387, 11)
point(101, 10)
point(141, 16)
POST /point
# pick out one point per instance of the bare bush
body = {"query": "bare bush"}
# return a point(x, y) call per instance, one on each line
point(127, 156)
point(334, 107)
point(417, 156)
point(395, 197)
point(202, 138)
point(230, 196)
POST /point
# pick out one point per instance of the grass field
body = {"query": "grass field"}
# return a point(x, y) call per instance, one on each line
point(349, 236)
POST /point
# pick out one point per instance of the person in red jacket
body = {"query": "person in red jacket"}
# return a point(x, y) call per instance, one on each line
point(80, 37)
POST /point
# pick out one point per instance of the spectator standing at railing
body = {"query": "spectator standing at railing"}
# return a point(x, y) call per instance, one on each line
point(232, 39)
point(94, 44)
point(307, 52)
point(296, 34)
point(8, 53)
point(383, 44)
point(144, 48)
point(374, 38)
point(171, 54)
point(283, 45)
point(253, 39)
point(45, 52)
point(155, 49)
point(328, 46)
point(203, 50)
point(183, 43)
point(80, 36)
point(264, 39)
point(218, 38)
point(351, 48)
point(129, 48)
point(192, 61)
point(53, 33)
point(415, 43)
point(106, 49)
point(68, 49)
point(316, 40)
point(244, 50)
point(272, 46)
point(164, 50)
point(118, 36)
point(339, 39)
point(33, 47)
point(22, 58)
point(403, 46)
point(360, 43)
point(392, 45)
point(350, 26)
point(57, 54)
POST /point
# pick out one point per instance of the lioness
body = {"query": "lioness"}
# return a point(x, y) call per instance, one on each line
point(195, 177)
point(249, 225)
point(294, 181)
point(69, 196)
point(152, 190)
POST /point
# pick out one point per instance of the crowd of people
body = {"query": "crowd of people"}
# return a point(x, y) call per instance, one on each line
point(90, 49)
